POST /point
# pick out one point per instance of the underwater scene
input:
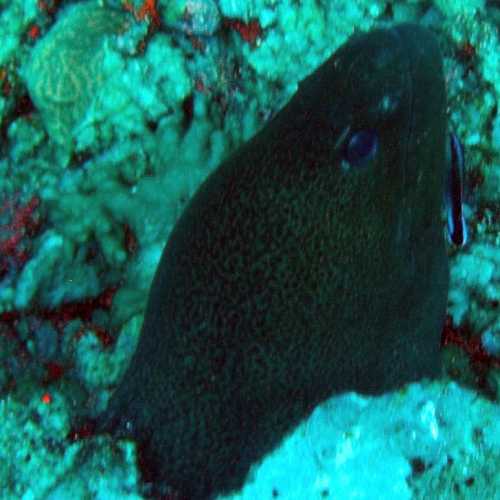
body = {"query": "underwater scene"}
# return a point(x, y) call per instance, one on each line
point(249, 249)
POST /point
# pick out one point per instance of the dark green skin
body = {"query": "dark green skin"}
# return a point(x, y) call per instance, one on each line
point(292, 275)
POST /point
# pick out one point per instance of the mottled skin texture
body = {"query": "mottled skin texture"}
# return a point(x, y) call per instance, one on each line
point(292, 275)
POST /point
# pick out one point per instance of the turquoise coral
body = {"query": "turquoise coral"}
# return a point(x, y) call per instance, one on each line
point(65, 69)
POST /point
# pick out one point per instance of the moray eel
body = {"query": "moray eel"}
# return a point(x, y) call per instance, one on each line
point(311, 262)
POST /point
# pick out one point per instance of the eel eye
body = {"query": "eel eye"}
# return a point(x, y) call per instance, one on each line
point(361, 148)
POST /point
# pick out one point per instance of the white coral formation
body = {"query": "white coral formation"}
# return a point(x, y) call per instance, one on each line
point(395, 447)
point(474, 293)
